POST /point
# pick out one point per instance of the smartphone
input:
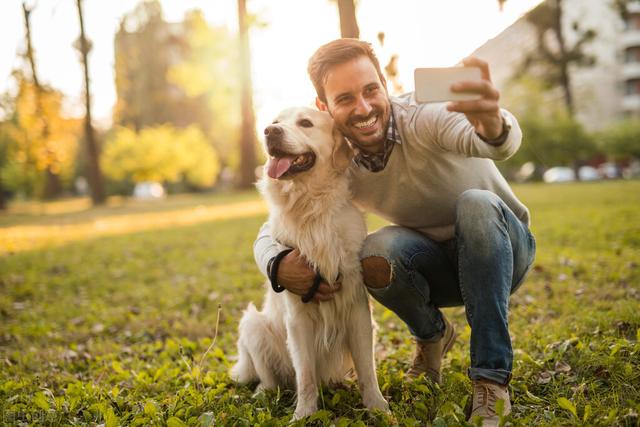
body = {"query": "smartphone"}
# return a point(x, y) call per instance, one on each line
point(433, 84)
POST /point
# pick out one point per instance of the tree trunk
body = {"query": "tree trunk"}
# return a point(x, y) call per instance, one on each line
point(52, 183)
point(348, 22)
point(94, 174)
point(565, 79)
point(3, 200)
point(248, 138)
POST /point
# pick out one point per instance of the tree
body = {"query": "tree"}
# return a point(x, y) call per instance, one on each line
point(147, 50)
point(93, 163)
point(53, 186)
point(622, 7)
point(248, 138)
point(553, 57)
point(348, 22)
point(161, 154)
point(621, 140)
point(551, 136)
point(29, 151)
point(4, 145)
point(392, 74)
point(209, 74)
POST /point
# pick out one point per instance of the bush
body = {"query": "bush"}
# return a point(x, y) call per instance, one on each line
point(161, 154)
point(621, 140)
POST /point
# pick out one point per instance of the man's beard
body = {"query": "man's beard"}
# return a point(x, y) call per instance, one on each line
point(380, 136)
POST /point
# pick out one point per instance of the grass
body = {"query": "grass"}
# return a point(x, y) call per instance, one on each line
point(108, 316)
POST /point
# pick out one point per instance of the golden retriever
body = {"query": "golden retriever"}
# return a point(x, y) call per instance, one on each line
point(289, 342)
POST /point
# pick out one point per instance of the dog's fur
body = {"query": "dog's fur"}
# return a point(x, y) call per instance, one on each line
point(288, 342)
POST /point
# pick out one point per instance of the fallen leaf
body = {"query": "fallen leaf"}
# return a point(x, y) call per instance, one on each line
point(545, 377)
point(562, 367)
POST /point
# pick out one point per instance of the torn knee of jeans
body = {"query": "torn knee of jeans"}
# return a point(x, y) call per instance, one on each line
point(376, 272)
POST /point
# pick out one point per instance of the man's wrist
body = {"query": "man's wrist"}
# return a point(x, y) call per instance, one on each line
point(272, 270)
point(500, 139)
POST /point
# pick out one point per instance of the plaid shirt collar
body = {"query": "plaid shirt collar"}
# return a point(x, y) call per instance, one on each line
point(375, 162)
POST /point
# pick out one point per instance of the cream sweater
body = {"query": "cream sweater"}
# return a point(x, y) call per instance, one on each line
point(439, 158)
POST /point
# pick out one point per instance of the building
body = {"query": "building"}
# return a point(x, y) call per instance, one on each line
point(603, 93)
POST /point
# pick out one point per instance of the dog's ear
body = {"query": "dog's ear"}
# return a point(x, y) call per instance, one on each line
point(342, 152)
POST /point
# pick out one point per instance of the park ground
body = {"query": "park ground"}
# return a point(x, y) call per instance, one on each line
point(127, 315)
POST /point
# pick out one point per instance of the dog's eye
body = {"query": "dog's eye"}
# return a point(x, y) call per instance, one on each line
point(305, 123)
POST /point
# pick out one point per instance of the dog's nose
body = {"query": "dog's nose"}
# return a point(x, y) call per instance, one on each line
point(273, 131)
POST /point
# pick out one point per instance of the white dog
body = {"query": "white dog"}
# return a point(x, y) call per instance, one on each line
point(289, 342)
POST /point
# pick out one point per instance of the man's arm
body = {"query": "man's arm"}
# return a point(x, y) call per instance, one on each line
point(494, 133)
point(294, 272)
point(453, 132)
point(265, 248)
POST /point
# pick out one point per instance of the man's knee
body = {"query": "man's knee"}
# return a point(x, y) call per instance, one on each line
point(376, 272)
point(476, 200)
point(476, 208)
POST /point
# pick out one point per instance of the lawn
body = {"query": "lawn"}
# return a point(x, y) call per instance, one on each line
point(127, 315)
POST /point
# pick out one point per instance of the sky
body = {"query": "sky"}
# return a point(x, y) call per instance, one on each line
point(424, 33)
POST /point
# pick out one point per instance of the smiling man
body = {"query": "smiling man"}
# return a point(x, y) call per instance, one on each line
point(460, 235)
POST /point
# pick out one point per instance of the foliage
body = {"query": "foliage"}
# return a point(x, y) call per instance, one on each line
point(115, 330)
point(28, 153)
point(551, 137)
point(145, 48)
point(622, 7)
point(553, 56)
point(160, 154)
point(209, 71)
point(183, 73)
point(621, 140)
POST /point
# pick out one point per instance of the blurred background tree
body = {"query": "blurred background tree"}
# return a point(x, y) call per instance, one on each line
point(248, 138)
point(190, 77)
point(92, 149)
point(32, 151)
point(161, 154)
point(52, 186)
point(554, 56)
point(621, 140)
point(146, 49)
point(348, 21)
point(184, 73)
point(207, 76)
point(552, 136)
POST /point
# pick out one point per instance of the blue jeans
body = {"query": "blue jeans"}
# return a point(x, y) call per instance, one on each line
point(487, 260)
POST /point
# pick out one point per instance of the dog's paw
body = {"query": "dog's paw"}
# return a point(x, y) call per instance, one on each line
point(261, 389)
point(377, 402)
point(304, 411)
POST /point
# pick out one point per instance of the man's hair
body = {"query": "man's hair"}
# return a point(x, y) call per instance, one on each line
point(334, 53)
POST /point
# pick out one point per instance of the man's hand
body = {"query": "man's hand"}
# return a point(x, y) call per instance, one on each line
point(296, 276)
point(483, 113)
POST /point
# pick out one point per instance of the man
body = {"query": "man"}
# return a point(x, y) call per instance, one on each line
point(461, 236)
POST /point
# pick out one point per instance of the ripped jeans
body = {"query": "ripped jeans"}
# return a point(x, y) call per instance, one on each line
point(486, 261)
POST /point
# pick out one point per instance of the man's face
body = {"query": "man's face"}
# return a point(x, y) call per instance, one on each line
point(358, 102)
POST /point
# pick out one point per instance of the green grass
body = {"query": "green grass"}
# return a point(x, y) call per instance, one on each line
point(114, 329)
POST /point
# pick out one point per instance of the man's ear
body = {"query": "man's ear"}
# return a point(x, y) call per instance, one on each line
point(342, 152)
point(321, 105)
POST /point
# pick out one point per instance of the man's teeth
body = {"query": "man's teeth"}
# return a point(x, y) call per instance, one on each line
point(366, 124)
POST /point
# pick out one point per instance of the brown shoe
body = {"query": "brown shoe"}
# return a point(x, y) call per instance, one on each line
point(486, 395)
point(428, 356)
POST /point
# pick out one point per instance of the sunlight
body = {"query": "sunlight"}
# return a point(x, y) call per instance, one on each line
point(422, 33)
point(32, 237)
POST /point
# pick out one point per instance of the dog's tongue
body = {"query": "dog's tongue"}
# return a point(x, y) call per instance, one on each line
point(277, 166)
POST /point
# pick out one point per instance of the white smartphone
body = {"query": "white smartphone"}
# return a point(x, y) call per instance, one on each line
point(434, 84)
